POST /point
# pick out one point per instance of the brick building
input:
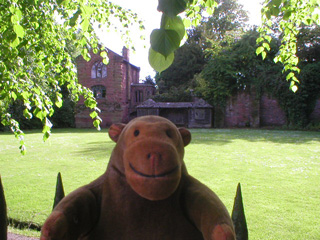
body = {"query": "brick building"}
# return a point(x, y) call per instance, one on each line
point(115, 86)
point(118, 92)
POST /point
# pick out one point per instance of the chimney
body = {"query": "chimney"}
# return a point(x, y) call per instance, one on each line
point(125, 53)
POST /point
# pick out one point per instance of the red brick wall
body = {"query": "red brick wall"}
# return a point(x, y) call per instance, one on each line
point(271, 113)
point(120, 75)
point(245, 109)
point(242, 110)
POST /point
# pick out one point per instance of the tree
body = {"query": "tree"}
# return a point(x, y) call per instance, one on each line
point(149, 80)
point(174, 83)
point(220, 29)
point(34, 61)
point(291, 15)
point(240, 68)
point(236, 68)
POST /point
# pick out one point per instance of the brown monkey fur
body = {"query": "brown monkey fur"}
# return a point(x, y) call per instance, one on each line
point(146, 193)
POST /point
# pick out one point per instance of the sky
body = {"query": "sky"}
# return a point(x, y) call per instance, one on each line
point(147, 11)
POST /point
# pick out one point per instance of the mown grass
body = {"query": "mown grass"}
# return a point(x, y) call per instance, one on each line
point(278, 170)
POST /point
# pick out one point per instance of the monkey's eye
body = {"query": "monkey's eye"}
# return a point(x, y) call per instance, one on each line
point(169, 133)
point(136, 133)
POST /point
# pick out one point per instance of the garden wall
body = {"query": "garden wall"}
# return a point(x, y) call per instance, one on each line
point(245, 109)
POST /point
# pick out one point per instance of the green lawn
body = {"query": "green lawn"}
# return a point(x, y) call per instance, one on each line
point(279, 172)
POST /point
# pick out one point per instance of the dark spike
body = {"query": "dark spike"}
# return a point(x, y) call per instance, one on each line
point(59, 191)
point(238, 216)
point(3, 214)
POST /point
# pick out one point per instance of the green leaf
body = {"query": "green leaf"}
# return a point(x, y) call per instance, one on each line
point(90, 102)
point(187, 22)
point(173, 23)
point(276, 2)
point(85, 24)
point(158, 62)
point(103, 54)
point(266, 46)
point(23, 149)
point(94, 114)
point(59, 102)
point(259, 50)
point(105, 61)
point(46, 135)
point(275, 11)
point(27, 114)
point(264, 55)
point(289, 76)
point(73, 20)
point(164, 41)
point(15, 43)
point(268, 38)
point(13, 95)
point(287, 15)
point(209, 11)
point(96, 124)
point(172, 7)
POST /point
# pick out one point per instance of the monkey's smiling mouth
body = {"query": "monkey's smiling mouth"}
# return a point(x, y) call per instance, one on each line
point(154, 175)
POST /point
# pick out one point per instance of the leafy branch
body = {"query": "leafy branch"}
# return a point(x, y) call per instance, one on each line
point(34, 61)
point(290, 15)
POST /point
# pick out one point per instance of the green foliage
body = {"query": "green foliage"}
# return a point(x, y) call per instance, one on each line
point(290, 16)
point(298, 106)
point(220, 29)
point(167, 39)
point(149, 80)
point(34, 57)
point(235, 68)
point(64, 115)
point(174, 83)
point(239, 68)
point(217, 80)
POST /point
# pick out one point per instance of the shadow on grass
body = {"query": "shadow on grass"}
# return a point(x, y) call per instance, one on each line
point(59, 131)
point(203, 136)
point(98, 149)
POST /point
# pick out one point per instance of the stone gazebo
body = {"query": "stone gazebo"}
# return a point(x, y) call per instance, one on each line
point(196, 114)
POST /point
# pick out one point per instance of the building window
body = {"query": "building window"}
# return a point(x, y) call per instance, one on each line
point(139, 96)
point(99, 91)
point(98, 70)
point(200, 114)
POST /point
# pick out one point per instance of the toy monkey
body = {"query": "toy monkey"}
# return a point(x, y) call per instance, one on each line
point(146, 193)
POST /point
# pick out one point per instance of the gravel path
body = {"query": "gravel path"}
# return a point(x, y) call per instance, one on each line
point(12, 236)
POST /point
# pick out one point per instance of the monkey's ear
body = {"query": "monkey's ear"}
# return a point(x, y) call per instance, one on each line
point(115, 130)
point(186, 136)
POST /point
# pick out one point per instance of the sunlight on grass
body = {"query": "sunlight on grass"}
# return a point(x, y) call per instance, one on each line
point(278, 171)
